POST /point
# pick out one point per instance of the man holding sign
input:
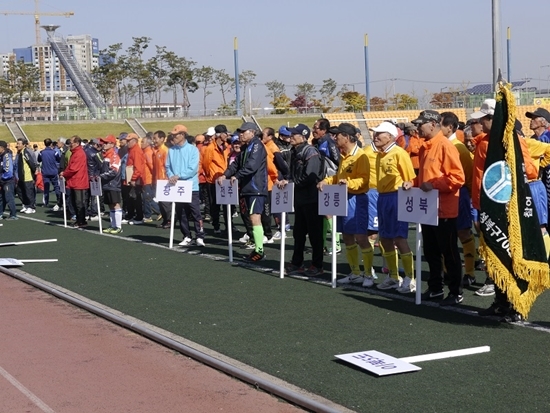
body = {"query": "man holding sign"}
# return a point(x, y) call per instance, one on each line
point(393, 167)
point(440, 169)
point(250, 170)
point(353, 171)
point(306, 170)
point(182, 164)
point(111, 179)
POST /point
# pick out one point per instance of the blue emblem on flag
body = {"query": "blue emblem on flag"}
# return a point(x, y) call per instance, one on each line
point(497, 182)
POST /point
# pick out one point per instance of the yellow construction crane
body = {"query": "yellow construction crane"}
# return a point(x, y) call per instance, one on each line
point(37, 15)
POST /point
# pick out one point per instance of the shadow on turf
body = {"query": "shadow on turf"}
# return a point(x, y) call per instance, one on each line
point(428, 312)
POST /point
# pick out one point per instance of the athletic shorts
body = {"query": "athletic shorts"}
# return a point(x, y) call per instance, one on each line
point(112, 197)
point(540, 199)
point(255, 204)
point(373, 209)
point(388, 225)
point(357, 220)
point(464, 219)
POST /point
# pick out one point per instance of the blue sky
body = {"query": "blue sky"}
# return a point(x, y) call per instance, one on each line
point(426, 45)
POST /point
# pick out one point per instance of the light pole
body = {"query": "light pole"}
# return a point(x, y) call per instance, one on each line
point(50, 30)
point(540, 75)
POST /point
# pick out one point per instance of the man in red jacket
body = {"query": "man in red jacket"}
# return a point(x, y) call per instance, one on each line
point(76, 175)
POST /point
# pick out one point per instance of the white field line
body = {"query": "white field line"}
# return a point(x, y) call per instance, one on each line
point(31, 396)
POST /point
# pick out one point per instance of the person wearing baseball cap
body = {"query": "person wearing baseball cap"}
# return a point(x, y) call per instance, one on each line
point(354, 172)
point(440, 169)
point(540, 120)
point(214, 160)
point(283, 142)
point(305, 173)
point(111, 184)
point(393, 167)
point(250, 170)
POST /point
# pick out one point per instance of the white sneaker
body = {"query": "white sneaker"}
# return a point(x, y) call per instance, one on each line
point(368, 282)
point(408, 286)
point(268, 240)
point(186, 242)
point(55, 208)
point(29, 211)
point(389, 283)
point(135, 222)
point(277, 236)
point(95, 218)
point(244, 239)
point(352, 279)
point(373, 274)
point(23, 210)
point(199, 242)
point(124, 221)
point(235, 215)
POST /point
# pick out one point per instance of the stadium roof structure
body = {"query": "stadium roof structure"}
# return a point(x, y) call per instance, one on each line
point(487, 88)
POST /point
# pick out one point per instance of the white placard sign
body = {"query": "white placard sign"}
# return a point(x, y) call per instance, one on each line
point(95, 187)
point(415, 205)
point(227, 193)
point(182, 191)
point(333, 200)
point(282, 200)
point(62, 185)
point(378, 363)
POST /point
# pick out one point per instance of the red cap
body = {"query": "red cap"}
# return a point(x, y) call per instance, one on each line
point(109, 139)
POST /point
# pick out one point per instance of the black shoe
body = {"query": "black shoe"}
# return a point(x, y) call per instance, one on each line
point(451, 299)
point(468, 280)
point(512, 317)
point(495, 309)
point(432, 295)
point(254, 257)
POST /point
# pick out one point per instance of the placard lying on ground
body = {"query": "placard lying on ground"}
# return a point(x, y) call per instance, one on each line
point(415, 205)
point(182, 191)
point(378, 363)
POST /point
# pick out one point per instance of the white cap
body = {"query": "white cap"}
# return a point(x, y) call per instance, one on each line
point(211, 131)
point(386, 127)
point(487, 108)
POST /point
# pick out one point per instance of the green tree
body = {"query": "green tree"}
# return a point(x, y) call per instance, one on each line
point(246, 80)
point(276, 89)
point(307, 90)
point(204, 76)
point(23, 79)
point(327, 94)
point(353, 101)
point(225, 82)
point(136, 67)
point(180, 74)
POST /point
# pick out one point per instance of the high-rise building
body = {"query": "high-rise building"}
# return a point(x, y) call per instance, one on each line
point(84, 49)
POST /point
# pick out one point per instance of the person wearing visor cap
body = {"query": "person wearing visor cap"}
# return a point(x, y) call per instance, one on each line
point(353, 171)
point(250, 170)
point(393, 168)
point(440, 169)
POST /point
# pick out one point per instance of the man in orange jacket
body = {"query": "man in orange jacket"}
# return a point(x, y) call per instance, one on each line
point(214, 158)
point(440, 169)
point(136, 165)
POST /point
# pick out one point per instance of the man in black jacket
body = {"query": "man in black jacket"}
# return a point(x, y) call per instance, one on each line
point(250, 170)
point(26, 176)
point(305, 172)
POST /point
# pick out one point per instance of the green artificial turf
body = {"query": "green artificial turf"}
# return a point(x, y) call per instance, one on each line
point(292, 328)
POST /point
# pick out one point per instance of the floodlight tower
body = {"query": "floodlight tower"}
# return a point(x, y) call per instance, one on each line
point(50, 30)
